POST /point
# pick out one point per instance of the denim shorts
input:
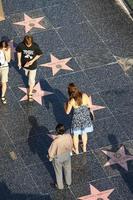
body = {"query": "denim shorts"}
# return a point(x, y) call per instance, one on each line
point(82, 130)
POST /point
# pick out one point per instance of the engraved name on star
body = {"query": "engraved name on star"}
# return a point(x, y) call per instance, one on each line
point(119, 157)
point(57, 64)
point(30, 23)
point(96, 194)
point(38, 93)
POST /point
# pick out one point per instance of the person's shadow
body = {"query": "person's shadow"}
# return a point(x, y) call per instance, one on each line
point(57, 101)
point(126, 175)
point(39, 143)
point(21, 72)
point(6, 194)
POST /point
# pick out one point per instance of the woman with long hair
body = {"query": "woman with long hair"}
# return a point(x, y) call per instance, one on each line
point(5, 57)
point(81, 121)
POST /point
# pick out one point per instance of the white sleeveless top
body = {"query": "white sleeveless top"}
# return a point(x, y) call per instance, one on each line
point(3, 62)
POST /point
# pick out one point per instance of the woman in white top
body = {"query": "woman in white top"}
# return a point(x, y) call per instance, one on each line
point(5, 57)
point(81, 104)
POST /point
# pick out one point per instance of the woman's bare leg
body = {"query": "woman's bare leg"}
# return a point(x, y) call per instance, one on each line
point(76, 143)
point(84, 140)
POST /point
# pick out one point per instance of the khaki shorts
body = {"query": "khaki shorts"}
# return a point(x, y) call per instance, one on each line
point(31, 76)
point(4, 74)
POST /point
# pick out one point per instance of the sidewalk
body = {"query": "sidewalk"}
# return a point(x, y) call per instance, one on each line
point(91, 33)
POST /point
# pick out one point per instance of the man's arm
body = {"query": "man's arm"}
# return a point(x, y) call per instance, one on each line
point(38, 53)
point(19, 54)
point(52, 150)
point(33, 60)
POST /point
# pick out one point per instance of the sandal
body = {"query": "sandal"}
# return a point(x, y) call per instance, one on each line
point(3, 99)
point(30, 97)
point(84, 151)
point(74, 151)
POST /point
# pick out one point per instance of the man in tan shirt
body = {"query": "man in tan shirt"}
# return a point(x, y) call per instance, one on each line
point(59, 154)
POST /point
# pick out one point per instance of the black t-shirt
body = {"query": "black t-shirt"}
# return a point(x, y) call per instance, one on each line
point(28, 53)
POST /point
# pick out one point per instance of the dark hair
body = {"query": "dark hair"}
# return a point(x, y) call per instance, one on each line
point(4, 43)
point(28, 39)
point(60, 129)
point(74, 93)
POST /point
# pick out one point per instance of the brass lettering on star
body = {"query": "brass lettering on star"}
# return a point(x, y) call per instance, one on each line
point(58, 66)
point(31, 24)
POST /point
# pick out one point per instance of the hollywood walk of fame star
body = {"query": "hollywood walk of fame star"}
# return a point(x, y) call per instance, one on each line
point(13, 51)
point(57, 64)
point(38, 93)
point(96, 194)
point(30, 23)
point(118, 157)
point(52, 136)
point(126, 63)
point(95, 107)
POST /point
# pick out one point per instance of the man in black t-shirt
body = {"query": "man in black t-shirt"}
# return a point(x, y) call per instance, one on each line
point(28, 52)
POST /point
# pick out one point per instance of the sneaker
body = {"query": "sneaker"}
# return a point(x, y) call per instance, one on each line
point(68, 186)
point(30, 97)
point(3, 100)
